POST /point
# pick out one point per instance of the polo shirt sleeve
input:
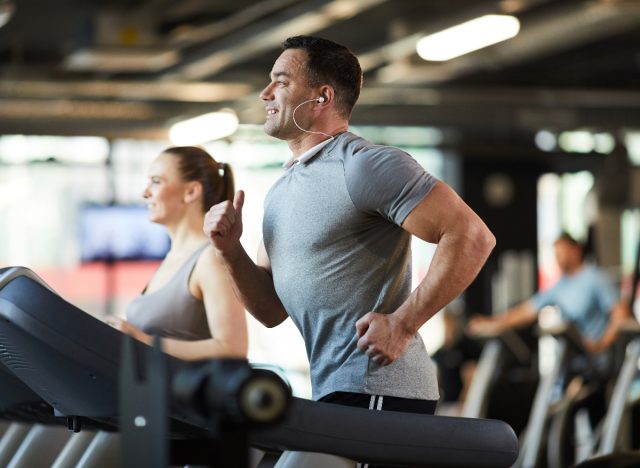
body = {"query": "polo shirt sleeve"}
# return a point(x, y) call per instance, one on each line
point(605, 292)
point(387, 181)
point(545, 298)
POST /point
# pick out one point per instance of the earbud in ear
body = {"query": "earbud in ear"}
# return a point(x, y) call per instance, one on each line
point(320, 99)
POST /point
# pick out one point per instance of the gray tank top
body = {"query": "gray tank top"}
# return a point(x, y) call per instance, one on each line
point(172, 311)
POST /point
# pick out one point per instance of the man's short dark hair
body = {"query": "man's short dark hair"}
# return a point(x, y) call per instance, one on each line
point(332, 64)
point(569, 239)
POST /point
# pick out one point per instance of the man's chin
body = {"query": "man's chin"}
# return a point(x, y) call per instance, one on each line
point(272, 131)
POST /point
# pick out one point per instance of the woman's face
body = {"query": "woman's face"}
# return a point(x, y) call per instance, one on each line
point(165, 190)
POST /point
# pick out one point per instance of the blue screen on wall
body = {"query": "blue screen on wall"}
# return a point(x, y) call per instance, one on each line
point(120, 232)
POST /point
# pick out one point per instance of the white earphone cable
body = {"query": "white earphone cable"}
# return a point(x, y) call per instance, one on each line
point(293, 115)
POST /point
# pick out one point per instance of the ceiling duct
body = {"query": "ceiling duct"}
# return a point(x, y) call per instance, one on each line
point(125, 90)
point(306, 18)
point(119, 41)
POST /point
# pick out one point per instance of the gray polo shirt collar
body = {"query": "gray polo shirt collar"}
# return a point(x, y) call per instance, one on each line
point(307, 155)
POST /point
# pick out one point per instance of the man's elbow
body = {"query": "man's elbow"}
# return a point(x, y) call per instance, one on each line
point(489, 240)
point(271, 320)
point(484, 239)
point(270, 323)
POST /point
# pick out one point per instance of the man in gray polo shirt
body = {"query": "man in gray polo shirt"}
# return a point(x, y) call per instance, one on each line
point(336, 239)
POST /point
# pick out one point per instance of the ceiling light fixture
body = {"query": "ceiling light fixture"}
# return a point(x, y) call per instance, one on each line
point(467, 37)
point(125, 59)
point(7, 8)
point(207, 127)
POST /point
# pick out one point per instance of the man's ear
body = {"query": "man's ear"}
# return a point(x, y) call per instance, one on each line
point(193, 192)
point(326, 92)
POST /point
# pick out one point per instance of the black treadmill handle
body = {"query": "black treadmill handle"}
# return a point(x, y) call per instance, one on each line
point(8, 274)
point(392, 437)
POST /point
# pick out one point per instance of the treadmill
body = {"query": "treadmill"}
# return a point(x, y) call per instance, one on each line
point(72, 361)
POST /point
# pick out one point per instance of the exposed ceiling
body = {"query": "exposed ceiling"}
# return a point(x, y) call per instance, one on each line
point(128, 68)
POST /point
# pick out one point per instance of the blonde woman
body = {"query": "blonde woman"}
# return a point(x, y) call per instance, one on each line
point(189, 301)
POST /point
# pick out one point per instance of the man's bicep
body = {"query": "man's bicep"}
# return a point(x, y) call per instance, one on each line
point(440, 210)
point(547, 297)
point(387, 182)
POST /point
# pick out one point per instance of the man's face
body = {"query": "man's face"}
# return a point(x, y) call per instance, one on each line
point(287, 89)
point(568, 256)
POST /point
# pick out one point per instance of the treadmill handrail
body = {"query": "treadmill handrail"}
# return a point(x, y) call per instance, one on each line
point(391, 436)
point(10, 273)
point(618, 404)
point(475, 405)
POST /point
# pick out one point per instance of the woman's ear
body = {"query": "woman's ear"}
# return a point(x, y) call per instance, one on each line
point(193, 192)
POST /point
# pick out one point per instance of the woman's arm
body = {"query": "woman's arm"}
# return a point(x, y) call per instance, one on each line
point(225, 316)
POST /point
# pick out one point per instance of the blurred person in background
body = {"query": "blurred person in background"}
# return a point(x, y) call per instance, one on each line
point(584, 295)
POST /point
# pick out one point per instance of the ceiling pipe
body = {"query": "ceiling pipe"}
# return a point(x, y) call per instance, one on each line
point(189, 36)
point(307, 18)
point(126, 90)
point(504, 96)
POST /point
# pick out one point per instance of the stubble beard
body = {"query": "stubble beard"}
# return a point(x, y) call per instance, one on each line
point(278, 129)
point(271, 129)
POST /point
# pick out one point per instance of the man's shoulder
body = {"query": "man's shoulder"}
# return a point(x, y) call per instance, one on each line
point(600, 275)
point(592, 277)
point(593, 271)
point(360, 154)
point(351, 144)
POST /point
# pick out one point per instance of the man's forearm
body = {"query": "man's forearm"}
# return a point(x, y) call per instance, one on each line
point(619, 313)
point(457, 261)
point(254, 287)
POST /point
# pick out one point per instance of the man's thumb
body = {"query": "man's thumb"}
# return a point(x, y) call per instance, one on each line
point(238, 201)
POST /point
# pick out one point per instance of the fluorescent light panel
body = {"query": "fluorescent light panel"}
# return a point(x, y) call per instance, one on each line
point(23, 149)
point(467, 37)
point(203, 128)
point(125, 59)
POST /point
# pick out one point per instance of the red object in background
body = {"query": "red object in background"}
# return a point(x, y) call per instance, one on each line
point(94, 281)
point(548, 275)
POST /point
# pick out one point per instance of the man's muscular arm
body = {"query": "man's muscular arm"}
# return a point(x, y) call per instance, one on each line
point(464, 244)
